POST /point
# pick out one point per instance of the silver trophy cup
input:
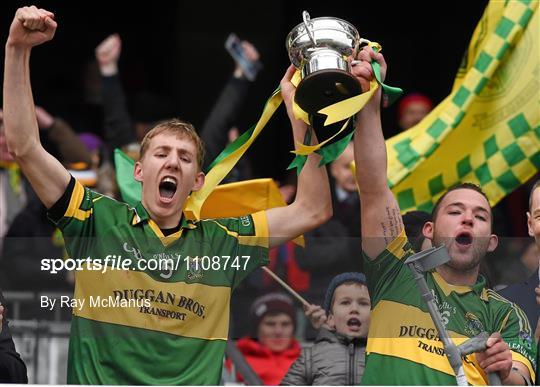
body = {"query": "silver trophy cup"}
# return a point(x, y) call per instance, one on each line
point(320, 49)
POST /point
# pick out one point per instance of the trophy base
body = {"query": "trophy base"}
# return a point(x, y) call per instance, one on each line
point(325, 87)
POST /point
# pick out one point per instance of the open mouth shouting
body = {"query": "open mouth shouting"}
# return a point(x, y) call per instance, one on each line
point(167, 189)
point(464, 239)
point(354, 324)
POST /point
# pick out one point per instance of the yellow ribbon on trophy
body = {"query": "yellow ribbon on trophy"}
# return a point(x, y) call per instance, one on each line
point(228, 158)
point(339, 111)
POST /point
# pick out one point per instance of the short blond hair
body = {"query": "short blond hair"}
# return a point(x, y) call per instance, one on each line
point(181, 129)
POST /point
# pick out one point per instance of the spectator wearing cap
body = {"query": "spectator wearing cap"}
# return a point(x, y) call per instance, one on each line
point(338, 355)
point(412, 109)
point(272, 348)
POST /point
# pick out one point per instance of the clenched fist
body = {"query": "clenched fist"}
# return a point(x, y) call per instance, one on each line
point(316, 315)
point(108, 53)
point(363, 72)
point(31, 27)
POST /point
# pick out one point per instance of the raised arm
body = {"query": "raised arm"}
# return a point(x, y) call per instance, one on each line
point(227, 108)
point(70, 147)
point(380, 216)
point(119, 128)
point(30, 27)
point(312, 205)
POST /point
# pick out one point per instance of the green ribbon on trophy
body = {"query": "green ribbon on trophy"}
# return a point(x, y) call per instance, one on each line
point(344, 110)
point(228, 158)
point(328, 149)
point(325, 89)
point(328, 94)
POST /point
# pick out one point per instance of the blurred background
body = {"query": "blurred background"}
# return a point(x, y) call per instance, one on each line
point(175, 50)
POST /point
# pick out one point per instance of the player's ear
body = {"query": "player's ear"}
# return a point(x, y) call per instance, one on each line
point(427, 230)
point(199, 181)
point(493, 242)
point(137, 172)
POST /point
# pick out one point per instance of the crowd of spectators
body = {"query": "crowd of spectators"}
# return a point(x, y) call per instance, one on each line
point(283, 341)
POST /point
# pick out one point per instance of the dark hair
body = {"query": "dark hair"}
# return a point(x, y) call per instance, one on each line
point(414, 221)
point(535, 186)
point(470, 186)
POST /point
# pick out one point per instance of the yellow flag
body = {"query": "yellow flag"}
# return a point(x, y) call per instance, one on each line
point(242, 198)
point(487, 130)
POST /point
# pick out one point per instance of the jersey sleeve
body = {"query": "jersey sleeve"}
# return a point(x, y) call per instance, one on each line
point(73, 215)
point(250, 237)
point(517, 333)
point(385, 271)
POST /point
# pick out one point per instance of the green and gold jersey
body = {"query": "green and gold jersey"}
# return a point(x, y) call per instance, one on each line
point(152, 309)
point(403, 343)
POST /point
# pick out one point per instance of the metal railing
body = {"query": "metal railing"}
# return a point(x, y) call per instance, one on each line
point(41, 336)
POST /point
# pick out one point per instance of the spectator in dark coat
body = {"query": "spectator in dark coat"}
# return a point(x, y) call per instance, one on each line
point(338, 355)
point(12, 368)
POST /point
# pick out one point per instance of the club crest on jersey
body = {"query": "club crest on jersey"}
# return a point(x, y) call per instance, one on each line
point(526, 339)
point(473, 326)
point(246, 221)
point(195, 271)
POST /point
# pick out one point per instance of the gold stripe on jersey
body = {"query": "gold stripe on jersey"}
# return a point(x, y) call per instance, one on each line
point(522, 317)
point(260, 224)
point(73, 210)
point(165, 240)
point(390, 340)
point(449, 288)
point(523, 360)
point(178, 308)
point(397, 246)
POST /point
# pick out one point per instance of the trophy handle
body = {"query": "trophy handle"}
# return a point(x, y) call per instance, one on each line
point(307, 23)
point(376, 46)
